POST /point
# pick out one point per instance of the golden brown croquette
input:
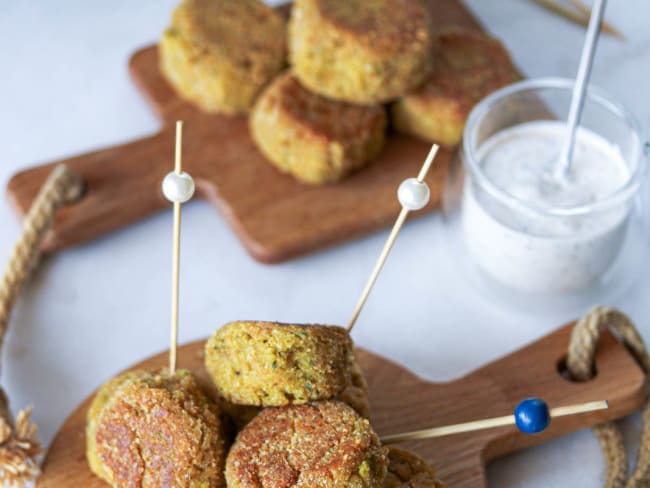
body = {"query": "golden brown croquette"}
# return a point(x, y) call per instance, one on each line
point(408, 470)
point(219, 54)
point(319, 445)
point(360, 51)
point(315, 139)
point(355, 395)
point(273, 364)
point(469, 66)
point(101, 398)
point(158, 430)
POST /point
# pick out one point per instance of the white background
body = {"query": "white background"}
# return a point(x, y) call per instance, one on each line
point(96, 309)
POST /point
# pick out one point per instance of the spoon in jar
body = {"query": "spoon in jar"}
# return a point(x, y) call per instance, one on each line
point(563, 166)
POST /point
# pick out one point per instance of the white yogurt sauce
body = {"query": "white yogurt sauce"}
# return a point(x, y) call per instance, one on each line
point(534, 251)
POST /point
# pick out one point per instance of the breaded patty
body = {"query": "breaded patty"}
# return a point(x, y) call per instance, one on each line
point(408, 470)
point(102, 397)
point(273, 364)
point(469, 66)
point(219, 54)
point(315, 139)
point(360, 51)
point(355, 395)
point(158, 430)
point(322, 444)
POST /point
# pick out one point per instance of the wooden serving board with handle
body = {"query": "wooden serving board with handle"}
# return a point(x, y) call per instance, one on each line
point(275, 217)
point(400, 401)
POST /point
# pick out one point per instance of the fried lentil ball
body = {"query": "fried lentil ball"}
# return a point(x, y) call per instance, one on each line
point(322, 444)
point(158, 430)
point(360, 51)
point(102, 397)
point(408, 470)
point(219, 54)
point(273, 364)
point(355, 395)
point(469, 66)
point(315, 139)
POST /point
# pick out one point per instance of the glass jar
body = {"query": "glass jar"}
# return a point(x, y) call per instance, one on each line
point(509, 239)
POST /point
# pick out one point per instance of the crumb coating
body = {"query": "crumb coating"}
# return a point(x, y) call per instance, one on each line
point(273, 364)
point(322, 444)
point(158, 430)
point(219, 54)
point(408, 470)
point(315, 139)
point(355, 395)
point(469, 66)
point(361, 51)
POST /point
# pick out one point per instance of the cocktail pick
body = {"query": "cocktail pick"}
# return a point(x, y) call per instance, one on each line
point(178, 187)
point(531, 416)
point(413, 194)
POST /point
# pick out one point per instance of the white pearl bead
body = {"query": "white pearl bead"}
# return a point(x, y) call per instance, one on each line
point(413, 195)
point(178, 187)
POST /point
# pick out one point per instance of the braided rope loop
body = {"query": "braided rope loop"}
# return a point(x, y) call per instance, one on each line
point(19, 444)
point(580, 363)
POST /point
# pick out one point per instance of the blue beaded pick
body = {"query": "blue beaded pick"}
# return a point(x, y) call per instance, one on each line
point(532, 416)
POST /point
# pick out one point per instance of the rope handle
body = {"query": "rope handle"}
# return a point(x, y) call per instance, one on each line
point(580, 362)
point(19, 444)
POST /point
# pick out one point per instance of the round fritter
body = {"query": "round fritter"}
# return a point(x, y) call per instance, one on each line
point(408, 470)
point(360, 51)
point(469, 66)
point(272, 364)
point(219, 54)
point(159, 430)
point(322, 444)
point(355, 395)
point(101, 398)
point(315, 139)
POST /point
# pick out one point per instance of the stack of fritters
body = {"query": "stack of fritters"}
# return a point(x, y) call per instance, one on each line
point(299, 386)
point(300, 405)
point(325, 117)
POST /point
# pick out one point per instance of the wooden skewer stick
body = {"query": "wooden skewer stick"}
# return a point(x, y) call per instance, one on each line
point(176, 248)
point(489, 423)
point(606, 26)
point(581, 17)
point(391, 238)
point(178, 188)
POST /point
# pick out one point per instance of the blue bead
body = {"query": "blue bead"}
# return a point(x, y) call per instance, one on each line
point(532, 416)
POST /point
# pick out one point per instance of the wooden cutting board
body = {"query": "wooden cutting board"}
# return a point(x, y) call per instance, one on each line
point(400, 401)
point(275, 217)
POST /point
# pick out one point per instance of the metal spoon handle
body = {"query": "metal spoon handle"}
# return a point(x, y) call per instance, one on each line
point(580, 87)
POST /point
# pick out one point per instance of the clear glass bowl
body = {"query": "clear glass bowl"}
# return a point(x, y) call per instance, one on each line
point(521, 250)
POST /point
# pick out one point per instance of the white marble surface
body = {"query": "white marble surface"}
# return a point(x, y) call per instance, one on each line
point(96, 309)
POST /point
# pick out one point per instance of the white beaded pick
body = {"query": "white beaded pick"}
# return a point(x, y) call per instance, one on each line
point(178, 188)
point(413, 194)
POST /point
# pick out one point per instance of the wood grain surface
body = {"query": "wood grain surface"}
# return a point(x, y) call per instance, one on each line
point(275, 217)
point(400, 401)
